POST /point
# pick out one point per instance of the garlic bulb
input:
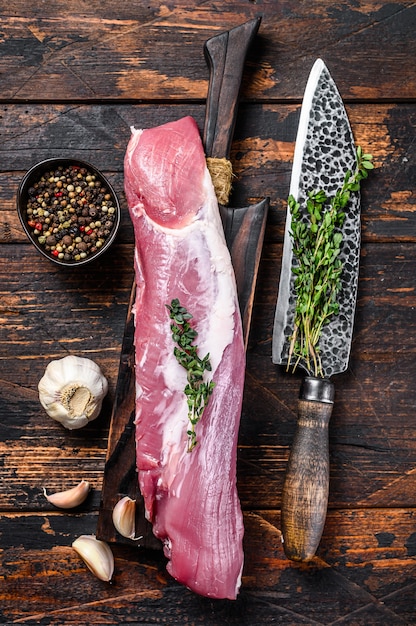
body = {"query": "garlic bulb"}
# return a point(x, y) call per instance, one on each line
point(72, 390)
point(69, 498)
point(96, 555)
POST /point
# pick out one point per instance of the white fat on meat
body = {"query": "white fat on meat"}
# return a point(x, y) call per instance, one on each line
point(180, 252)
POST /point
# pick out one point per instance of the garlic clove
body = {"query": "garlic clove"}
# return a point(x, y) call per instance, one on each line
point(124, 518)
point(72, 390)
point(96, 555)
point(71, 497)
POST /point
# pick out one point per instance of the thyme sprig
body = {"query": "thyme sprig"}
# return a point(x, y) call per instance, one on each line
point(317, 244)
point(196, 390)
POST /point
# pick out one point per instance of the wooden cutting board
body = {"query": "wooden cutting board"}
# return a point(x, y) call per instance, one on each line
point(244, 233)
point(120, 474)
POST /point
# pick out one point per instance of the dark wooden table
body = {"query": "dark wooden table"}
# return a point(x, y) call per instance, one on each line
point(74, 76)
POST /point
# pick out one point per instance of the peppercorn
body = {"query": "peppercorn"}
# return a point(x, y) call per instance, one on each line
point(70, 212)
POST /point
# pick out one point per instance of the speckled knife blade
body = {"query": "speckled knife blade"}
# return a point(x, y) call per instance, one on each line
point(324, 152)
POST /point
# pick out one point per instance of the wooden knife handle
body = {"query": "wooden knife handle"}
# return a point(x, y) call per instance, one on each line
point(225, 55)
point(306, 486)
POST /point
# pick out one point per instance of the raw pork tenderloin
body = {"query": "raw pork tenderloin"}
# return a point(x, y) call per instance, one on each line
point(190, 497)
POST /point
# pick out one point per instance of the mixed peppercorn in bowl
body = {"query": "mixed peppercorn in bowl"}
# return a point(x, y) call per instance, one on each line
point(69, 210)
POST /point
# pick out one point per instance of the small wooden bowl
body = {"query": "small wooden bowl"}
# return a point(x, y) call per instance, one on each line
point(32, 177)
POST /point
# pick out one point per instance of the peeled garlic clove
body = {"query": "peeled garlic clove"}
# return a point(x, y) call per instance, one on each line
point(124, 517)
point(72, 390)
point(96, 555)
point(71, 497)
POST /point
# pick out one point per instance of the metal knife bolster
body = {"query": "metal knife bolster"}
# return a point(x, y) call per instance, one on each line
point(315, 389)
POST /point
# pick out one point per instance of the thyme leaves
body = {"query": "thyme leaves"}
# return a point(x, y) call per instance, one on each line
point(317, 242)
point(197, 390)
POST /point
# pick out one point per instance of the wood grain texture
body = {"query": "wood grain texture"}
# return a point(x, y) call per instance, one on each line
point(376, 450)
point(73, 78)
point(261, 155)
point(137, 51)
point(119, 473)
point(306, 485)
point(358, 572)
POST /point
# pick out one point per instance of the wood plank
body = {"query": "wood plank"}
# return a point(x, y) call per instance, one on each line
point(38, 556)
point(262, 154)
point(109, 51)
point(374, 541)
point(74, 77)
point(120, 473)
point(372, 419)
point(372, 434)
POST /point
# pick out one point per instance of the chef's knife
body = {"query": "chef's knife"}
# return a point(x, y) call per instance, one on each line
point(324, 152)
point(243, 227)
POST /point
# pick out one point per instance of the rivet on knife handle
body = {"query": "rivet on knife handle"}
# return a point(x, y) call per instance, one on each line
point(306, 486)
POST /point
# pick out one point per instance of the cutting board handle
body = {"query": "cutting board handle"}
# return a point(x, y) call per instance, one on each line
point(306, 486)
point(225, 54)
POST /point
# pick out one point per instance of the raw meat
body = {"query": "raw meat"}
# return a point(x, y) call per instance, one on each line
point(190, 497)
